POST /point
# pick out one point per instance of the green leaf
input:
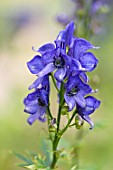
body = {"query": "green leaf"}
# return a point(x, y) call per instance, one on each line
point(46, 147)
point(31, 153)
point(24, 158)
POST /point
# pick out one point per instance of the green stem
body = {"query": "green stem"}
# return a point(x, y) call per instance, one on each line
point(57, 133)
point(49, 117)
point(49, 112)
point(57, 138)
point(70, 120)
point(54, 82)
point(61, 96)
point(55, 153)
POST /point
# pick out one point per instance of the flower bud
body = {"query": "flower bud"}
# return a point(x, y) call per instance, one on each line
point(52, 126)
point(78, 122)
point(64, 110)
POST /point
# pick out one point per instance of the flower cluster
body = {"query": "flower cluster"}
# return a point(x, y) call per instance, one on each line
point(68, 59)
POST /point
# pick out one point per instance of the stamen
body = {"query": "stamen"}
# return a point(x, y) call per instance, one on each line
point(41, 103)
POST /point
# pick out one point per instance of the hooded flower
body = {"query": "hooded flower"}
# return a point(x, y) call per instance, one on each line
point(36, 105)
point(91, 105)
point(76, 89)
point(53, 56)
point(41, 82)
point(86, 60)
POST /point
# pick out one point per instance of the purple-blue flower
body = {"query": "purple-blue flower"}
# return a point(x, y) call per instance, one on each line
point(36, 105)
point(78, 50)
point(68, 56)
point(53, 56)
point(76, 89)
point(41, 82)
point(91, 105)
point(69, 59)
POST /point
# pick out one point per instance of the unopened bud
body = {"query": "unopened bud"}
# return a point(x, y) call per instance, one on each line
point(52, 126)
point(64, 110)
point(78, 122)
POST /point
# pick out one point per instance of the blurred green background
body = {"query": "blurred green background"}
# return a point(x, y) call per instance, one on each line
point(24, 24)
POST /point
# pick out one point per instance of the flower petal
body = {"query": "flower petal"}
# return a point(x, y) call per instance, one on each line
point(75, 67)
point(87, 118)
point(91, 105)
point(41, 82)
point(47, 69)
point(31, 97)
point(44, 96)
point(35, 65)
point(84, 77)
point(80, 100)
point(67, 59)
point(81, 46)
point(69, 32)
point(88, 61)
point(37, 83)
point(32, 119)
point(64, 38)
point(70, 101)
point(48, 57)
point(60, 74)
point(32, 107)
point(40, 115)
point(60, 40)
point(46, 48)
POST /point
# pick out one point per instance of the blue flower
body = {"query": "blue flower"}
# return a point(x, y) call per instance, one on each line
point(65, 37)
point(41, 82)
point(35, 65)
point(76, 89)
point(91, 105)
point(87, 61)
point(54, 57)
point(36, 105)
point(58, 59)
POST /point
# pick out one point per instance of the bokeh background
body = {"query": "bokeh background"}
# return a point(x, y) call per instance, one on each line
point(24, 24)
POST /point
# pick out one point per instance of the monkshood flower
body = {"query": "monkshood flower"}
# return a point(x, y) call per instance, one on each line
point(86, 60)
point(41, 82)
point(53, 56)
point(76, 89)
point(36, 105)
point(91, 105)
point(67, 56)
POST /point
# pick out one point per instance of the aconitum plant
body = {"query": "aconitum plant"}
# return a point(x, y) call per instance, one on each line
point(66, 62)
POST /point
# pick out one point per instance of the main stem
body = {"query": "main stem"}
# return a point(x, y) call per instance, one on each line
point(55, 154)
point(57, 139)
point(57, 133)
